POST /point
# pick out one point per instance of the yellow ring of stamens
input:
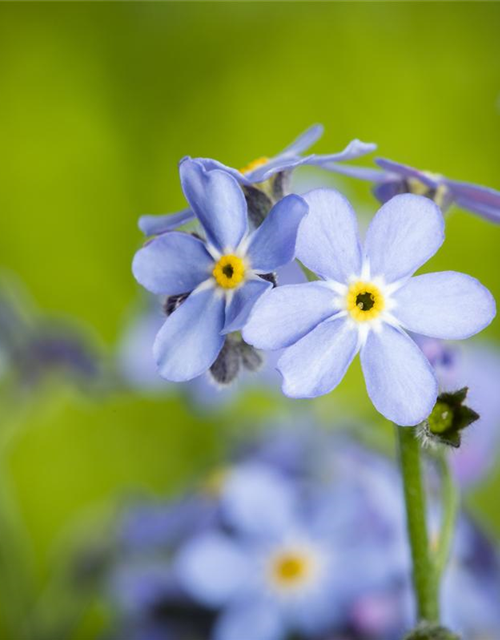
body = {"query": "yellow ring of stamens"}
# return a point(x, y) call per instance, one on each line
point(255, 164)
point(229, 271)
point(364, 301)
point(290, 569)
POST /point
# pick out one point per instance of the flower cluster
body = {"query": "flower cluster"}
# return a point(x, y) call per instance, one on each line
point(301, 535)
point(221, 285)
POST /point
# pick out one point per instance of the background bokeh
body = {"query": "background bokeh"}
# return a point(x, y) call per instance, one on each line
point(98, 102)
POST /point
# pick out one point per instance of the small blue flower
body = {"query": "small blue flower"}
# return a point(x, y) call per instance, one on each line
point(266, 587)
point(395, 178)
point(258, 172)
point(220, 275)
point(365, 302)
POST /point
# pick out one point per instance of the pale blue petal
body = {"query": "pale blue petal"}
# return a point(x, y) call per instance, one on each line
point(213, 569)
point(218, 202)
point(317, 363)
point(328, 241)
point(403, 235)
point(190, 340)
point(355, 149)
point(481, 200)
point(242, 303)
point(361, 173)
point(272, 245)
point(273, 166)
point(399, 379)
point(304, 141)
point(211, 165)
point(256, 500)
point(405, 171)
point(172, 263)
point(252, 620)
point(447, 305)
point(286, 314)
point(154, 225)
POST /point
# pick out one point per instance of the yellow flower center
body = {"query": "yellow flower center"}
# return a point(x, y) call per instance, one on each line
point(255, 164)
point(229, 272)
point(364, 301)
point(419, 188)
point(291, 569)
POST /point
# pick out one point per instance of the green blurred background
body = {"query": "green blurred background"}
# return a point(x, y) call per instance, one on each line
point(98, 102)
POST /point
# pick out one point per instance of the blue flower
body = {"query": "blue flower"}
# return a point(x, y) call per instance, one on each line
point(395, 178)
point(260, 171)
point(137, 367)
point(365, 302)
point(218, 279)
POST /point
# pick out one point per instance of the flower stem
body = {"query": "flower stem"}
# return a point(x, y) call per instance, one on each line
point(451, 501)
point(425, 579)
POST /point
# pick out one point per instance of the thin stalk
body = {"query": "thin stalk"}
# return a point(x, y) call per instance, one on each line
point(450, 499)
point(425, 578)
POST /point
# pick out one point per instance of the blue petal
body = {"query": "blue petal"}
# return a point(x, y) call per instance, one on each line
point(218, 202)
point(406, 171)
point(273, 166)
point(154, 225)
point(256, 620)
point(304, 141)
point(481, 200)
point(213, 569)
point(172, 263)
point(257, 500)
point(399, 379)
point(211, 165)
point(286, 314)
point(242, 303)
point(361, 173)
point(355, 149)
point(317, 363)
point(403, 235)
point(272, 245)
point(447, 305)
point(328, 241)
point(190, 340)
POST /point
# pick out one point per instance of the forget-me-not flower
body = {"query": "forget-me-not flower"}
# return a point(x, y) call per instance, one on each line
point(365, 302)
point(394, 178)
point(261, 171)
point(218, 279)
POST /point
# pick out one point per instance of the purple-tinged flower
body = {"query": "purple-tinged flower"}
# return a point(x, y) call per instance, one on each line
point(395, 178)
point(365, 302)
point(261, 171)
point(216, 281)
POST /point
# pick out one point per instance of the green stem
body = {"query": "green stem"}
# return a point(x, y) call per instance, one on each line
point(425, 579)
point(450, 500)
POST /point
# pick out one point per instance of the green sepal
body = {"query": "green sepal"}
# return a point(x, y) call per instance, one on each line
point(449, 417)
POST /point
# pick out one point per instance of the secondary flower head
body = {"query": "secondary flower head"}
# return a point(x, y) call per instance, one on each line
point(394, 178)
point(262, 172)
point(365, 302)
point(218, 280)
